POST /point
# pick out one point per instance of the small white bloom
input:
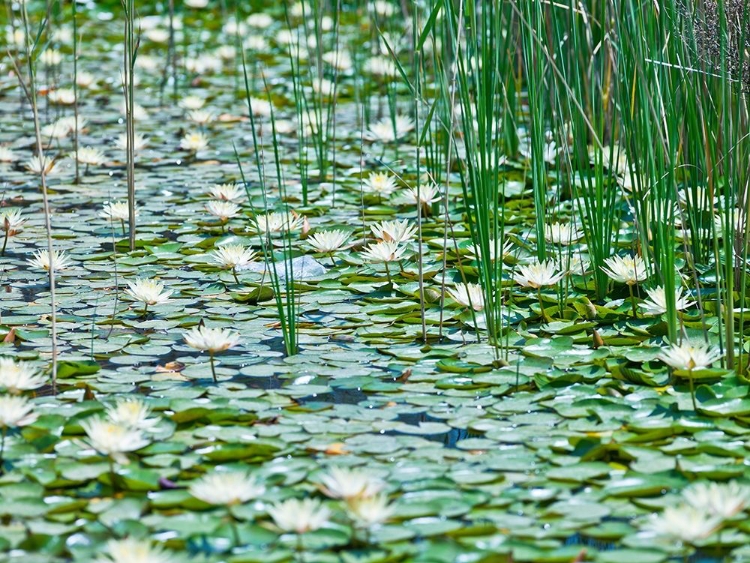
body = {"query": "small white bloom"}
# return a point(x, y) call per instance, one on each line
point(192, 102)
point(380, 183)
point(17, 377)
point(35, 165)
point(426, 194)
point(112, 439)
point(683, 523)
point(226, 192)
point(276, 222)
point(396, 231)
point(194, 142)
point(226, 488)
point(656, 304)
point(131, 413)
point(234, 256)
point(386, 251)
point(388, 130)
point(224, 210)
point(41, 260)
point(538, 274)
point(260, 107)
point(11, 221)
point(131, 550)
point(347, 484)
point(718, 499)
point(690, 355)
point(51, 57)
point(88, 156)
point(201, 116)
point(15, 411)
point(381, 66)
point(139, 142)
point(117, 210)
point(495, 249)
point(561, 233)
point(340, 60)
point(62, 96)
point(369, 512)
point(468, 295)
point(7, 155)
point(629, 270)
point(211, 339)
point(149, 292)
point(299, 516)
point(327, 242)
point(260, 20)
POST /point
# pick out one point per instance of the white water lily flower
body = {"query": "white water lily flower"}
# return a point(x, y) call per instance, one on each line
point(327, 242)
point(656, 304)
point(194, 141)
point(234, 256)
point(380, 183)
point(223, 210)
point(16, 411)
point(395, 231)
point(35, 165)
point(276, 222)
point(388, 130)
point(683, 523)
point(86, 80)
point(11, 221)
point(538, 274)
point(226, 488)
point(192, 102)
point(7, 155)
point(89, 156)
point(629, 269)
point(562, 233)
point(340, 60)
point(368, 512)
point(131, 550)
point(386, 251)
point(226, 192)
point(17, 377)
point(131, 413)
point(60, 260)
point(201, 116)
point(381, 66)
point(260, 107)
point(383, 8)
point(149, 292)
point(494, 247)
point(260, 20)
point(62, 96)
point(51, 57)
point(690, 355)
point(345, 483)
point(112, 439)
point(426, 194)
point(468, 295)
point(117, 210)
point(139, 142)
point(724, 500)
point(211, 339)
point(299, 516)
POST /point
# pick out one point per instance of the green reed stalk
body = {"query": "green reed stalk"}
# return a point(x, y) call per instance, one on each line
point(129, 54)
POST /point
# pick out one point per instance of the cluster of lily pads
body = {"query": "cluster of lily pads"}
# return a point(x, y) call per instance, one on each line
point(398, 433)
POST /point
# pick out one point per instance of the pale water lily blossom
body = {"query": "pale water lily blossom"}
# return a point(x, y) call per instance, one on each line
point(226, 488)
point(683, 523)
point(562, 233)
point(11, 223)
point(689, 356)
point(277, 222)
point(468, 295)
point(15, 411)
point(538, 274)
point(328, 242)
point(234, 257)
point(17, 377)
point(723, 500)
point(347, 484)
point(132, 550)
point(226, 192)
point(395, 231)
point(112, 439)
point(148, 292)
point(194, 142)
point(656, 304)
point(380, 183)
point(211, 340)
point(132, 413)
point(628, 270)
point(300, 516)
point(369, 512)
point(60, 260)
point(223, 210)
point(388, 130)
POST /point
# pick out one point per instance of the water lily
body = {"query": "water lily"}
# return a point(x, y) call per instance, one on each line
point(562, 233)
point(194, 142)
point(226, 192)
point(112, 439)
point(148, 292)
point(538, 275)
point(395, 231)
point(299, 516)
point(15, 411)
point(683, 523)
point(368, 512)
point(59, 260)
point(132, 550)
point(723, 500)
point(131, 413)
point(383, 252)
point(380, 183)
point(388, 130)
point(347, 484)
point(17, 377)
point(233, 256)
point(656, 304)
point(11, 223)
point(628, 270)
point(226, 488)
point(689, 356)
point(223, 210)
point(276, 222)
point(468, 295)
point(328, 242)
point(211, 340)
